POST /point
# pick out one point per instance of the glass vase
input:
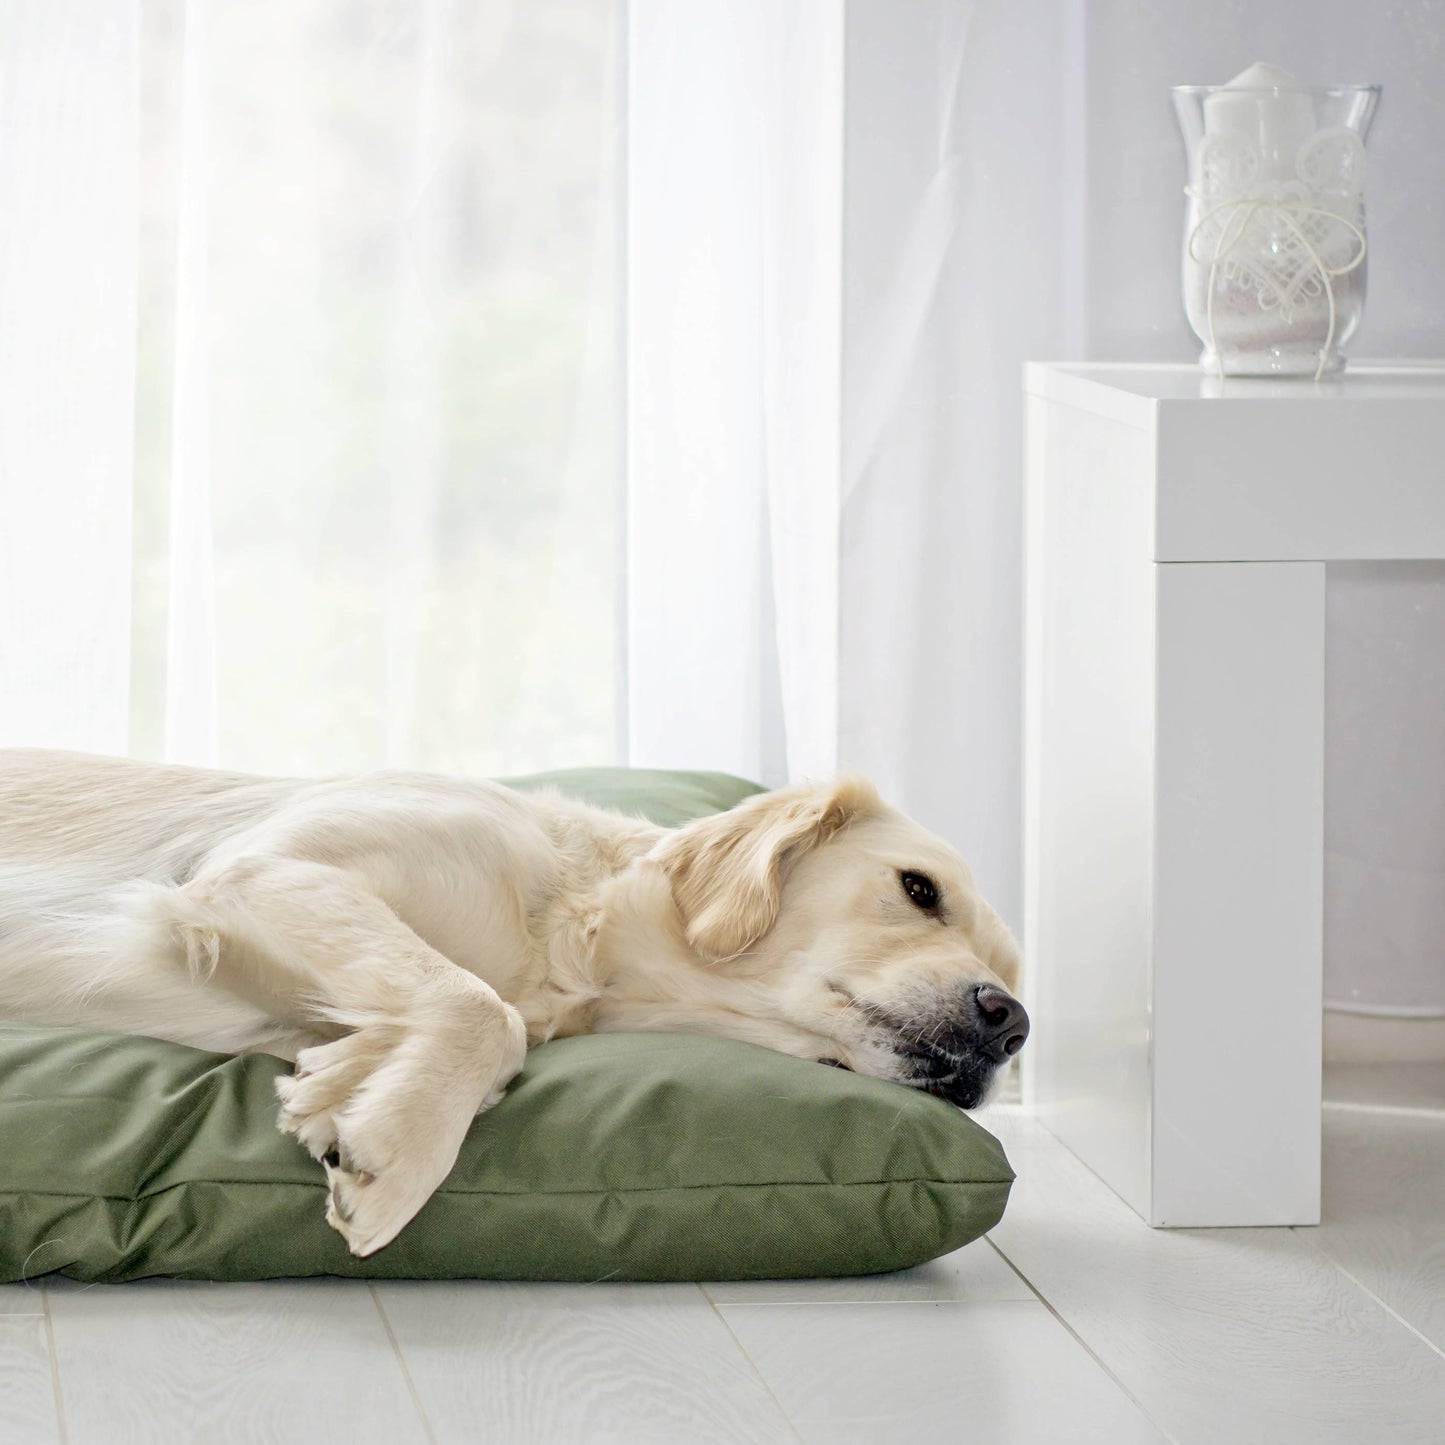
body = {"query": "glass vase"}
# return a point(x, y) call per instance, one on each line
point(1274, 230)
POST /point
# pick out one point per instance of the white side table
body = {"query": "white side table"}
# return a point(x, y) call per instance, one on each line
point(1177, 531)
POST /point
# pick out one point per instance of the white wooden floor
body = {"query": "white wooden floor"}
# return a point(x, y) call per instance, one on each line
point(1072, 1323)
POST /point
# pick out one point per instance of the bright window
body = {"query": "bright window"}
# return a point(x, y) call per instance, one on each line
point(376, 343)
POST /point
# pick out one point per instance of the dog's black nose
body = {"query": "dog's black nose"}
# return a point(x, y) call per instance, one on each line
point(1003, 1021)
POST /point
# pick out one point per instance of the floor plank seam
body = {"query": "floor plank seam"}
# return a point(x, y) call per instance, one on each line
point(882, 1302)
point(1083, 1343)
point(32, 1287)
point(1368, 1292)
point(401, 1362)
point(62, 1430)
point(752, 1364)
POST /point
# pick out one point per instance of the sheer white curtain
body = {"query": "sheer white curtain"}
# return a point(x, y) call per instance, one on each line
point(1011, 189)
point(735, 114)
point(349, 274)
point(69, 106)
point(825, 534)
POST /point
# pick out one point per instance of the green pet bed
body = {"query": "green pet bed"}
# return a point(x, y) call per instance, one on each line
point(617, 1156)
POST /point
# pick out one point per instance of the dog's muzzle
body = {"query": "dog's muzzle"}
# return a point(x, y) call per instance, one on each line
point(957, 1056)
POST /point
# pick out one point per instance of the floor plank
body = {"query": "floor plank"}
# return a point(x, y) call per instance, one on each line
point(587, 1363)
point(1244, 1335)
point(975, 1272)
point(1014, 1127)
point(160, 1361)
point(21, 1299)
point(27, 1393)
point(884, 1373)
point(1383, 1213)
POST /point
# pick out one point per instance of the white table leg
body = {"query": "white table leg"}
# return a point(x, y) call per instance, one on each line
point(1174, 861)
point(1088, 790)
point(1238, 856)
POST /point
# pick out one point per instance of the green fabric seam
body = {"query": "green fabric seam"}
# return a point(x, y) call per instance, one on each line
point(16, 1195)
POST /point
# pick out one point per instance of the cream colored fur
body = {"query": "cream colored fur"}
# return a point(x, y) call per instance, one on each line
point(405, 937)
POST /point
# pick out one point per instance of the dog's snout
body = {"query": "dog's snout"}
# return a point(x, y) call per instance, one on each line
point(956, 1055)
point(1004, 1022)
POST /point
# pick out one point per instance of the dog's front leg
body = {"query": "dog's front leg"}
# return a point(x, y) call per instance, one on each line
point(385, 1107)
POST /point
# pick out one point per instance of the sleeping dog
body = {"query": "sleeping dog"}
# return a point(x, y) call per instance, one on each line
point(405, 937)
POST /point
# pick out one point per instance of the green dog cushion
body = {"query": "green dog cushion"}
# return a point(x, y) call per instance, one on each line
point(617, 1156)
point(662, 796)
point(632, 1157)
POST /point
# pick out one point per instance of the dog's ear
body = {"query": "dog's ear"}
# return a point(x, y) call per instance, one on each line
point(727, 871)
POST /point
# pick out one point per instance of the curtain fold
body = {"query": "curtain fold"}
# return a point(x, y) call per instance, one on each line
point(957, 226)
point(824, 393)
point(191, 731)
point(69, 147)
point(734, 384)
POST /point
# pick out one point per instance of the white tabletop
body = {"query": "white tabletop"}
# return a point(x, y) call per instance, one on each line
point(1118, 388)
point(1253, 470)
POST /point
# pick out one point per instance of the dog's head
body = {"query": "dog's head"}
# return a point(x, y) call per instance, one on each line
point(856, 937)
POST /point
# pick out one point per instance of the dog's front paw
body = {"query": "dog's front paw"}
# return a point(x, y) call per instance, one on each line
point(326, 1078)
point(368, 1210)
point(385, 1111)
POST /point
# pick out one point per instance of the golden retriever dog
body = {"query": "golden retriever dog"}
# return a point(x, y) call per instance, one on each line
point(405, 937)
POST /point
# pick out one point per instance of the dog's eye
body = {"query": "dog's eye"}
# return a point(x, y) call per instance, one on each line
point(921, 889)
